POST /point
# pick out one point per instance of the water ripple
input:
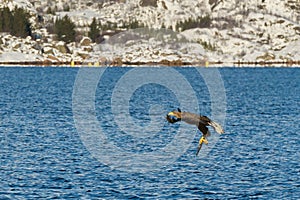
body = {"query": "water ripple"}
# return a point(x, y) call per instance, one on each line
point(42, 156)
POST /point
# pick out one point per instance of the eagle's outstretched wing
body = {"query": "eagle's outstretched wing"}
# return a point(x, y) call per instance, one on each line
point(218, 128)
point(207, 121)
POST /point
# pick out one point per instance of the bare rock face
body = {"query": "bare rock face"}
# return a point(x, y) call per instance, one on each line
point(51, 58)
point(17, 46)
point(48, 50)
point(266, 57)
point(85, 41)
point(83, 54)
point(62, 47)
point(145, 3)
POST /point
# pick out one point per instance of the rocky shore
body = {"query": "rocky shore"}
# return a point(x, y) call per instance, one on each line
point(251, 33)
point(140, 64)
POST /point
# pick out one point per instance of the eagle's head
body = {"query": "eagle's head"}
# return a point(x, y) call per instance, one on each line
point(174, 116)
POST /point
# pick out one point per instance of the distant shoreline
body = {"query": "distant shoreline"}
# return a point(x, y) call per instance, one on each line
point(161, 63)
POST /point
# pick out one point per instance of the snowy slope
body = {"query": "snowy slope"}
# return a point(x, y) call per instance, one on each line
point(254, 30)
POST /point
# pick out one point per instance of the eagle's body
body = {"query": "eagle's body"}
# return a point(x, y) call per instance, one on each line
point(199, 120)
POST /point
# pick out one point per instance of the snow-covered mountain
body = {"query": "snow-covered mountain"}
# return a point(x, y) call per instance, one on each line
point(254, 30)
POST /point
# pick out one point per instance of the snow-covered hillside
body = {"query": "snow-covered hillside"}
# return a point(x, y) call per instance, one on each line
point(254, 30)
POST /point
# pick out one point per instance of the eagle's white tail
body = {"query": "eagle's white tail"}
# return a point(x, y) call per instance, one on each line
point(218, 128)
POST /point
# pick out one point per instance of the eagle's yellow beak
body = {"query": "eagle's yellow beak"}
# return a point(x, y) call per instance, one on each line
point(171, 114)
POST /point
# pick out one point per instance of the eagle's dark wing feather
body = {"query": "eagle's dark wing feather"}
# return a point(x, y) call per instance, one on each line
point(204, 130)
point(208, 122)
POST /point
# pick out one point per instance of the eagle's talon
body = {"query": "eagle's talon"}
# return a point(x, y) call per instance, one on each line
point(203, 140)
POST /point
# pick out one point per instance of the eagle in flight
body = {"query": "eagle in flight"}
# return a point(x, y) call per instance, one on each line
point(199, 120)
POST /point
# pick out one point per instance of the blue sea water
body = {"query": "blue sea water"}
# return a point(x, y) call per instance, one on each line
point(44, 153)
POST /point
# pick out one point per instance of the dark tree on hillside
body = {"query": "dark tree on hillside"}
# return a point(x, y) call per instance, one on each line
point(21, 26)
point(200, 22)
point(65, 29)
point(6, 18)
point(94, 32)
point(15, 22)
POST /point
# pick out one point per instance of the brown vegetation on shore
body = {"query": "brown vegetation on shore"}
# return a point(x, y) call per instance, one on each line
point(118, 62)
